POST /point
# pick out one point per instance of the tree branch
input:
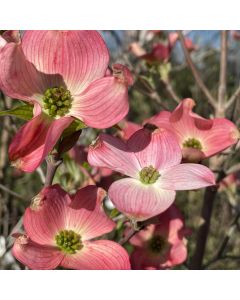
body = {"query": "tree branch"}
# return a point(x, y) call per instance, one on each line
point(129, 235)
point(233, 98)
point(136, 227)
point(223, 73)
point(220, 253)
point(171, 91)
point(53, 162)
point(7, 190)
point(195, 73)
point(206, 214)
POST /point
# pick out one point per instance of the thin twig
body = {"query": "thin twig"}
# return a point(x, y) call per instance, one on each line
point(7, 190)
point(129, 235)
point(41, 174)
point(223, 72)
point(233, 98)
point(195, 72)
point(136, 227)
point(171, 92)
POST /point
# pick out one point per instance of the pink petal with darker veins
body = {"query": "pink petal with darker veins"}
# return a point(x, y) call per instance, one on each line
point(47, 215)
point(113, 153)
point(35, 140)
point(98, 255)
point(18, 77)
point(186, 177)
point(139, 201)
point(80, 57)
point(159, 148)
point(102, 104)
point(36, 257)
point(86, 214)
point(222, 135)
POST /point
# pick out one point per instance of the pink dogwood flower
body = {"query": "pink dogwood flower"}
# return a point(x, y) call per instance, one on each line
point(60, 232)
point(159, 53)
point(162, 245)
point(152, 161)
point(65, 75)
point(198, 137)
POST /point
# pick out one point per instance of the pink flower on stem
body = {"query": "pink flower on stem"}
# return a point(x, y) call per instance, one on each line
point(59, 232)
point(152, 161)
point(63, 73)
point(159, 53)
point(198, 137)
point(162, 245)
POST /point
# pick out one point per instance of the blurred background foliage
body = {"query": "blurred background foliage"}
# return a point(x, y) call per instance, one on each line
point(147, 96)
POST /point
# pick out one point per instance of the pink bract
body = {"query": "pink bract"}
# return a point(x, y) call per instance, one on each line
point(159, 53)
point(207, 137)
point(53, 213)
point(161, 245)
point(76, 62)
point(152, 161)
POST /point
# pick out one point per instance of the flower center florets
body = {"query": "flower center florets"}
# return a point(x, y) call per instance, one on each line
point(68, 241)
point(57, 101)
point(192, 143)
point(149, 175)
point(157, 243)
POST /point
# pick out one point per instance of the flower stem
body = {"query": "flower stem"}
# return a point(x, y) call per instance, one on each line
point(53, 162)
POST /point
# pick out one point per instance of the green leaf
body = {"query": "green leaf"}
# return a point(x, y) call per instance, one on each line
point(24, 112)
point(75, 126)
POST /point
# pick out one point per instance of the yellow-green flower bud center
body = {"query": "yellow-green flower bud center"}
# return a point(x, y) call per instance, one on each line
point(57, 101)
point(192, 143)
point(149, 175)
point(157, 244)
point(68, 241)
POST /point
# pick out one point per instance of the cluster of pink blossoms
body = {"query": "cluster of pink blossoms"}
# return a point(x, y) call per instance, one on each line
point(65, 76)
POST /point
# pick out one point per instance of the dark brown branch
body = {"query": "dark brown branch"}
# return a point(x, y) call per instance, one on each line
point(195, 72)
point(206, 213)
point(220, 253)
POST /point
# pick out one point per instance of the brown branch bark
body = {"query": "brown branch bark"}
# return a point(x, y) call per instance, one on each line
point(53, 162)
point(195, 72)
point(220, 253)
